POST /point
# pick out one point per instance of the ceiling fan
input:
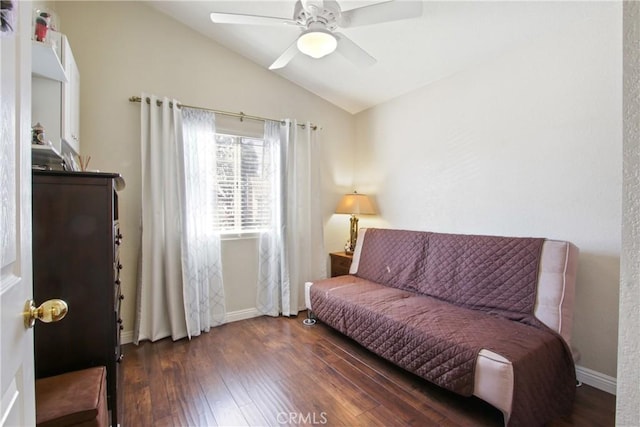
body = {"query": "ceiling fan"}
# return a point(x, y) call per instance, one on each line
point(318, 20)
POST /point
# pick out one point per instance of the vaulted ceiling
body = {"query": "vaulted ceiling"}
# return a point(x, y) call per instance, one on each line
point(449, 37)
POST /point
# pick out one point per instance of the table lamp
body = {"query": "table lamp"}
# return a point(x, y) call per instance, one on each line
point(354, 204)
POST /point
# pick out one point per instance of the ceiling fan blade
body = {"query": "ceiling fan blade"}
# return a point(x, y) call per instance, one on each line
point(235, 18)
point(353, 52)
point(382, 12)
point(286, 57)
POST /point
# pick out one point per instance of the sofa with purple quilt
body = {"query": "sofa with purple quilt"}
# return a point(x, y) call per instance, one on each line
point(479, 315)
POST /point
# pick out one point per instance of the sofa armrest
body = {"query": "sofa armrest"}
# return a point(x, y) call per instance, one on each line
point(307, 295)
point(556, 286)
point(356, 253)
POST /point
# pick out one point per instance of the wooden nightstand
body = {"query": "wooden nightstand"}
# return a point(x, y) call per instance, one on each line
point(340, 263)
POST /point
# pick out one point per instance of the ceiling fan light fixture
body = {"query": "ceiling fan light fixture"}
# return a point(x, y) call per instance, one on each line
point(317, 43)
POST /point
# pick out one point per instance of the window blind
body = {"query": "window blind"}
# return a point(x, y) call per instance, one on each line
point(243, 191)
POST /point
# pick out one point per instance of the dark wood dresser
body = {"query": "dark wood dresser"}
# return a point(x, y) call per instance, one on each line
point(76, 241)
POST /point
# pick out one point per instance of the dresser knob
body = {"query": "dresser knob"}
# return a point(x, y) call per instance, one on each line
point(121, 297)
point(118, 282)
point(119, 267)
point(121, 327)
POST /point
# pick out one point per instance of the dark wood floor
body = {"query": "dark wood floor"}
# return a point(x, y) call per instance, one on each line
point(275, 371)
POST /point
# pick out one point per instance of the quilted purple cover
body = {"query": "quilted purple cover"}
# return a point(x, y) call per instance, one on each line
point(430, 302)
point(488, 273)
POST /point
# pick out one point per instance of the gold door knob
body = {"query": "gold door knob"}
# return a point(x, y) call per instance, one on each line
point(49, 311)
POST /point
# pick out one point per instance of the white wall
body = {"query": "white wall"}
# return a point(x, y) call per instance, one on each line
point(124, 48)
point(525, 144)
point(628, 402)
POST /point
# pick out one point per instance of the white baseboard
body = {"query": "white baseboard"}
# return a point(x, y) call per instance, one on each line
point(596, 379)
point(127, 336)
point(248, 313)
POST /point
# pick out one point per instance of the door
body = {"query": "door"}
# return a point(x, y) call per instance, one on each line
point(16, 341)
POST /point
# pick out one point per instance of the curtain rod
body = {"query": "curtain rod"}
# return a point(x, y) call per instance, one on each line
point(240, 115)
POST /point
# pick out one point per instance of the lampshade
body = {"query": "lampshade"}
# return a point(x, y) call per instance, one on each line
point(317, 42)
point(355, 204)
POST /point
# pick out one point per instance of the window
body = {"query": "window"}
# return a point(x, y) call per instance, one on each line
point(243, 190)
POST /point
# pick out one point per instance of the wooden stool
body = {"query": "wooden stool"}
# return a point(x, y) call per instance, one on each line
point(77, 398)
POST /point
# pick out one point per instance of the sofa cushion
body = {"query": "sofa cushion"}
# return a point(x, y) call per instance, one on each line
point(555, 287)
point(488, 273)
point(395, 258)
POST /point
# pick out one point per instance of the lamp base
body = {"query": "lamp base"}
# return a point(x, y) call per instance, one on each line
point(353, 234)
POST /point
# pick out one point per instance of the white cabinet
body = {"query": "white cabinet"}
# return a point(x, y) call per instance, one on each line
point(71, 99)
point(46, 58)
point(55, 102)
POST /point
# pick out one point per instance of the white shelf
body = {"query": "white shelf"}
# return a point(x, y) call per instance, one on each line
point(45, 62)
point(45, 155)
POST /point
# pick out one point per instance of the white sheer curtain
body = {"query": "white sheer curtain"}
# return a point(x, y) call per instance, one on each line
point(201, 253)
point(179, 277)
point(292, 250)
